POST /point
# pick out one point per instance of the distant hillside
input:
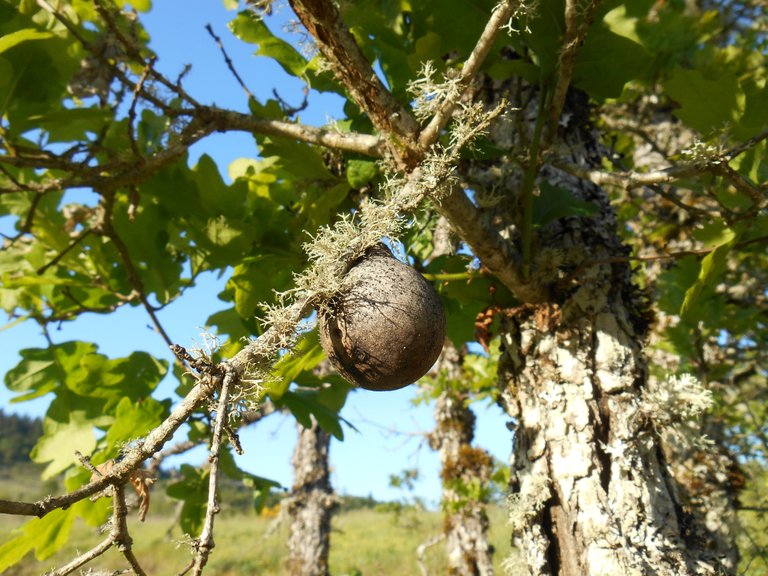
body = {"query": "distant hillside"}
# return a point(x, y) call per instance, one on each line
point(18, 434)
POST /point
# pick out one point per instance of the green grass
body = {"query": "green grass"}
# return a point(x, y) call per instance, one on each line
point(364, 542)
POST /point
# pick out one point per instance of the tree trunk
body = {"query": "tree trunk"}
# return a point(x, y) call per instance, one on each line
point(466, 472)
point(591, 491)
point(708, 478)
point(311, 504)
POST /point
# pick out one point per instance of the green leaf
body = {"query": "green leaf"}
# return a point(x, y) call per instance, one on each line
point(306, 355)
point(706, 104)
point(712, 266)
point(261, 486)
point(545, 36)
point(361, 172)
point(60, 440)
point(305, 404)
point(256, 279)
point(67, 124)
point(606, 62)
point(193, 490)
point(554, 203)
point(46, 368)
point(10, 40)
point(252, 29)
point(134, 420)
point(140, 5)
point(43, 535)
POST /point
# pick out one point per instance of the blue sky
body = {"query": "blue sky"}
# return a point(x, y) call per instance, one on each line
point(389, 428)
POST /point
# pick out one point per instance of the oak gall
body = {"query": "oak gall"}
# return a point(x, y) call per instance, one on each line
point(386, 329)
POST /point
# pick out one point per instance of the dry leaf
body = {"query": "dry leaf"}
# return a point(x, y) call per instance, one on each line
point(141, 480)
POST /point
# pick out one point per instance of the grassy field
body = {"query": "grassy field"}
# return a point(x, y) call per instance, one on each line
point(364, 542)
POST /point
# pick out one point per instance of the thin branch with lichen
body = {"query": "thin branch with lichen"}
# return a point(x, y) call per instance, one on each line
point(501, 13)
point(205, 543)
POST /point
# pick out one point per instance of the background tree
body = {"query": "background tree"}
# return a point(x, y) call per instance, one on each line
point(515, 122)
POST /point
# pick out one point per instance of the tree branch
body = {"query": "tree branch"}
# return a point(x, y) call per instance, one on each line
point(487, 244)
point(132, 459)
point(205, 543)
point(228, 61)
point(574, 38)
point(501, 14)
point(118, 536)
point(133, 276)
point(338, 46)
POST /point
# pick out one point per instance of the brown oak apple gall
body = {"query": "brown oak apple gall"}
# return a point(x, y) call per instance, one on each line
point(387, 328)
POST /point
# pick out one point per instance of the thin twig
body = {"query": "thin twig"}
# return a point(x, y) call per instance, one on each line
point(26, 228)
point(133, 275)
point(82, 236)
point(744, 146)
point(205, 543)
point(229, 62)
point(119, 533)
point(176, 449)
point(501, 14)
point(289, 110)
point(138, 89)
point(655, 257)
point(84, 558)
point(133, 52)
point(422, 549)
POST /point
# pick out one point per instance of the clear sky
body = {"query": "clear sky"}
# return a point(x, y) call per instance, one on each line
point(389, 437)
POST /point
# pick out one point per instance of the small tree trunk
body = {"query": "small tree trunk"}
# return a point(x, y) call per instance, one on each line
point(465, 473)
point(311, 504)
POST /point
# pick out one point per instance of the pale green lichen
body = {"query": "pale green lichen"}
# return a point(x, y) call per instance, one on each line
point(674, 406)
point(522, 506)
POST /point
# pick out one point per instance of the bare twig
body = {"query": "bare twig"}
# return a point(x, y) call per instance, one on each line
point(205, 543)
point(84, 558)
point(289, 110)
point(257, 354)
point(500, 15)
point(204, 121)
point(655, 257)
point(26, 228)
point(744, 146)
point(422, 549)
point(82, 236)
point(132, 110)
point(133, 52)
point(132, 459)
point(176, 449)
point(120, 534)
point(133, 277)
point(229, 62)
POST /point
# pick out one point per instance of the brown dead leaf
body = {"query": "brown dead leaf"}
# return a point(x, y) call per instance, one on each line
point(141, 480)
point(483, 322)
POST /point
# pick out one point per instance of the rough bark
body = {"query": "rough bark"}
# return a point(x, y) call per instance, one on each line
point(465, 473)
point(310, 504)
point(591, 490)
point(708, 480)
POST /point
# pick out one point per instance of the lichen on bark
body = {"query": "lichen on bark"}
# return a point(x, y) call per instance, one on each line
point(592, 492)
